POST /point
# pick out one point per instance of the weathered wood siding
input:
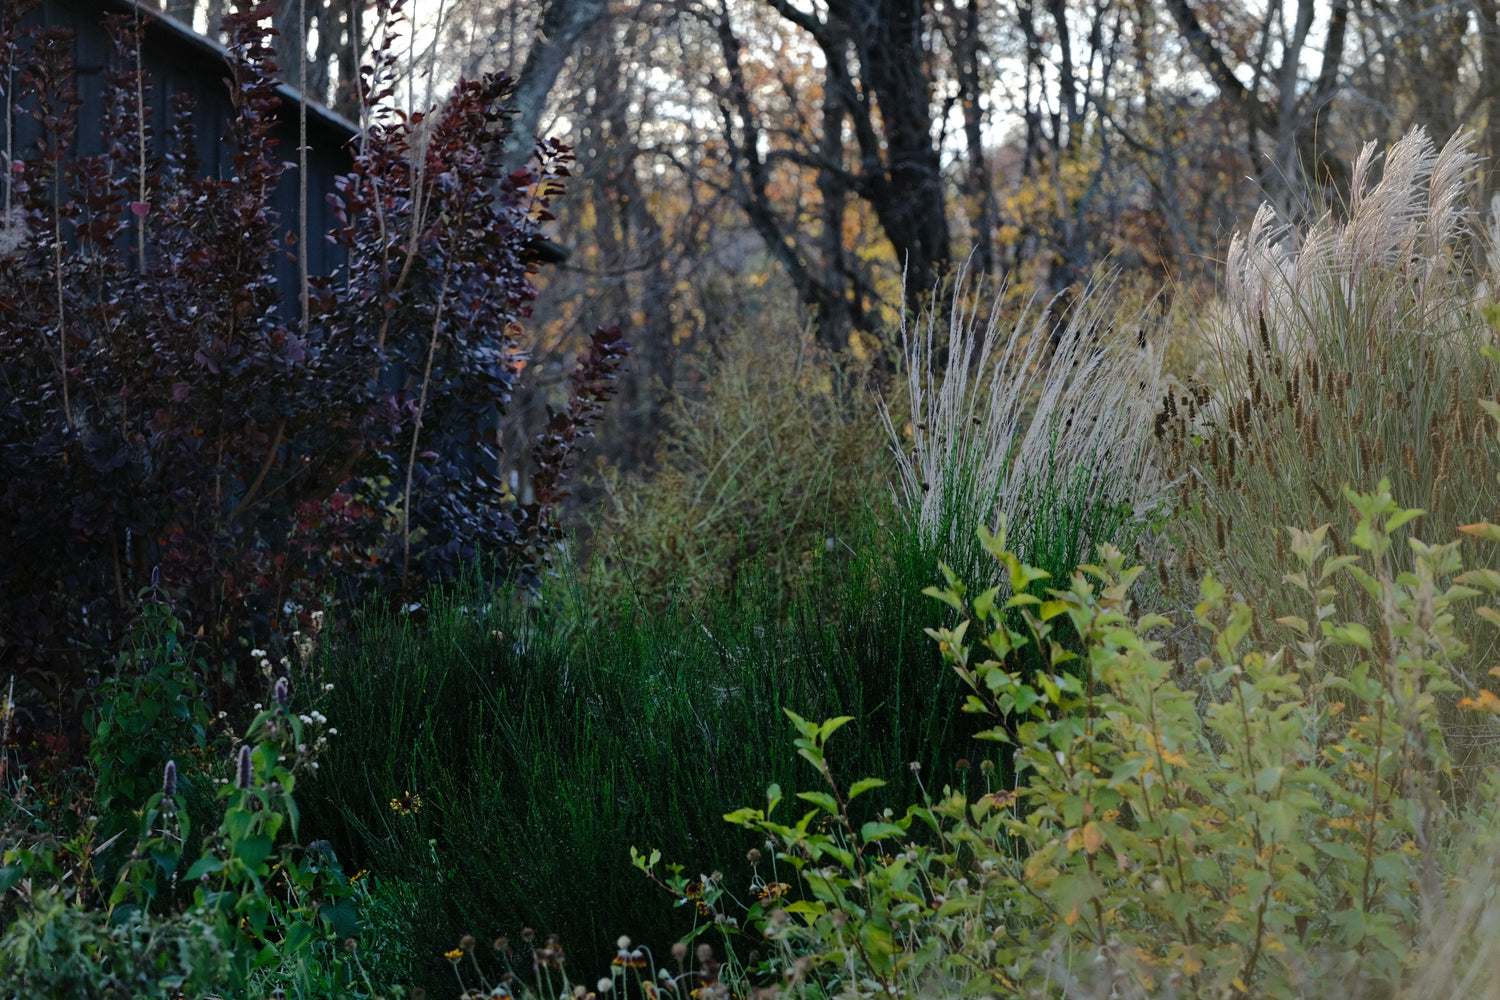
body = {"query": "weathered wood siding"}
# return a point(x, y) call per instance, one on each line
point(179, 60)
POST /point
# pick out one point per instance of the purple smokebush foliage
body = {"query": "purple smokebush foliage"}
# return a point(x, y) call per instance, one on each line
point(167, 408)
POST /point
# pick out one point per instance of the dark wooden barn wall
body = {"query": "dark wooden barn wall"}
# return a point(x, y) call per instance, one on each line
point(178, 60)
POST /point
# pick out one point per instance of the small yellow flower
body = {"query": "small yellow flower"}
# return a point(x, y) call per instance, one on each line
point(772, 890)
point(454, 955)
point(406, 803)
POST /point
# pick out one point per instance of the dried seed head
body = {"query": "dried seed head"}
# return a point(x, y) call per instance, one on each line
point(1323, 495)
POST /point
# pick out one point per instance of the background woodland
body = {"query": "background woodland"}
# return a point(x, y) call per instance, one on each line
point(773, 158)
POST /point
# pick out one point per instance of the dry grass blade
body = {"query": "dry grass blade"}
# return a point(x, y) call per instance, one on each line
point(998, 409)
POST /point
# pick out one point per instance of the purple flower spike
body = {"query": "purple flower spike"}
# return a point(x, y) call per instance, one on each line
point(244, 774)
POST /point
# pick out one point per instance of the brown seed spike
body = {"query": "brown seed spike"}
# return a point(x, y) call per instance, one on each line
point(1265, 335)
point(1323, 495)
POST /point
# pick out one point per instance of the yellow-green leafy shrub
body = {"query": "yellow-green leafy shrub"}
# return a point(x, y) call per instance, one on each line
point(1280, 826)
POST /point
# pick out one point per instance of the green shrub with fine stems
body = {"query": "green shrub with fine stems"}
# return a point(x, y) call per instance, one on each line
point(537, 740)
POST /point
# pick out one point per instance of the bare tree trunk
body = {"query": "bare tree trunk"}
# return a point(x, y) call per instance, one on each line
point(563, 25)
point(979, 186)
point(1489, 74)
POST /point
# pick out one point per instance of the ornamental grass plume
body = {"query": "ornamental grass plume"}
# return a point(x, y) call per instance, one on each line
point(1346, 350)
point(1042, 420)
